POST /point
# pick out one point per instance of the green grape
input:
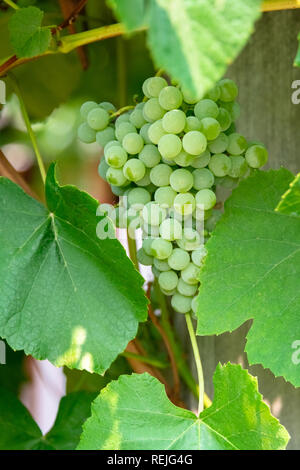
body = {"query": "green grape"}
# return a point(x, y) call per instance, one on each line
point(229, 90)
point(168, 280)
point(150, 156)
point(137, 118)
point(112, 143)
point(210, 127)
point(194, 305)
point(184, 159)
point(86, 134)
point(190, 240)
point(156, 132)
point(87, 107)
point(156, 273)
point(179, 259)
point(192, 124)
point(109, 107)
point(233, 108)
point(116, 176)
point(205, 198)
point(168, 162)
point(220, 164)
point(181, 303)
point(102, 168)
point(133, 143)
point(122, 118)
point(160, 175)
point(198, 256)
point(227, 182)
point(214, 94)
point(189, 97)
point(98, 119)
point(147, 242)
point(123, 129)
point(239, 167)
point(155, 85)
point(162, 265)
point(144, 133)
point(237, 144)
point(184, 203)
point(138, 197)
point(134, 169)
point(152, 111)
point(170, 229)
point(256, 156)
point(206, 108)
point(224, 119)
point(117, 190)
point(145, 87)
point(150, 230)
point(105, 136)
point(161, 248)
point(153, 214)
point(116, 156)
point(168, 292)
point(202, 160)
point(194, 142)
point(169, 146)
point(174, 121)
point(188, 290)
point(190, 274)
point(143, 258)
point(181, 180)
point(145, 181)
point(203, 178)
point(170, 98)
point(219, 145)
point(165, 196)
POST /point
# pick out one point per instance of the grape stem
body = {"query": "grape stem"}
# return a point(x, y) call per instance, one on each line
point(28, 127)
point(11, 4)
point(193, 339)
point(120, 111)
point(132, 250)
point(146, 359)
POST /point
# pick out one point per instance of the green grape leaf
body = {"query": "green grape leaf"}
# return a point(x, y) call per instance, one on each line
point(22, 432)
point(132, 13)
point(252, 272)
point(27, 36)
point(196, 40)
point(79, 292)
point(290, 202)
point(134, 413)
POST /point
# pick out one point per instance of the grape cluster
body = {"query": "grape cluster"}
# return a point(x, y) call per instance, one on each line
point(166, 155)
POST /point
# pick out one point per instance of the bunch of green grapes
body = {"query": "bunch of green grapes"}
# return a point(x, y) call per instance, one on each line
point(165, 157)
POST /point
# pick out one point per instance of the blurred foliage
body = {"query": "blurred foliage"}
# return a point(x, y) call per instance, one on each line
point(12, 374)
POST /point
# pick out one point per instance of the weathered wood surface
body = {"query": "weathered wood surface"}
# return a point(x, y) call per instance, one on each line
point(264, 72)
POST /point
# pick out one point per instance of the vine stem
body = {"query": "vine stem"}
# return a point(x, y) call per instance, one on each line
point(146, 359)
point(28, 127)
point(12, 4)
point(273, 5)
point(193, 338)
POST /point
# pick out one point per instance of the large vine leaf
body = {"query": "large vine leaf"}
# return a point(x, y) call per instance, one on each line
point(290, 202)
point(194, 40)
point(134, 413)
point(65, 295)
point(252, 272)
point(27, 36)
point(132, 13)
point(20, 431)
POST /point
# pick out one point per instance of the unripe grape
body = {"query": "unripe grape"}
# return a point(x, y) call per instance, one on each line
point(161, 264)
point(191, 240)
point(168, 280)
point(237, 144)
point(181, 180)
point(109, 107)
point(192, 124)
point(201, 161)
point(153, 214)
point(123, 129)
point(188, 290)
point(143, 258)
point(179, 259)
point(105, 136)
point(138, 197)
point(205, 198)
point(137, 118)
point(229, 90)
point(190, 274)
point(144, 133)
point(134, 169)
point(155, 85)
point(170, 98)
point(174, 121)
point(238, 167)
point(206, 108)
point(224, 119)
point(98, 119)
point(102, 168)
point(184, 203)
point(219, 145)
point(219, 164)
point(160, 175)
point(116, 176)
point(86, 134)
point(181, 303)
point(170, 229)
point(198, 256)
point(165, 196)
point(184, 159)
point(169, 146)
point(133, 143)
point(194, 142)
point(256, 156)
point(152, 111)
point(210, 127)
point(161, 249)
point(156, 132)
point(203, 178)
point(150, 156)
point(87, 107)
